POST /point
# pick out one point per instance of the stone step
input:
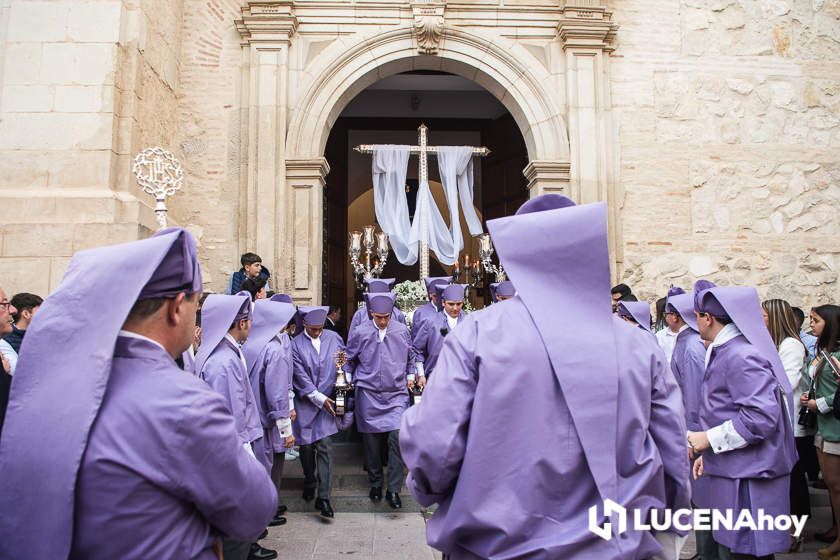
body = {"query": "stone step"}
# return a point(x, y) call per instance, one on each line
point(350, 485)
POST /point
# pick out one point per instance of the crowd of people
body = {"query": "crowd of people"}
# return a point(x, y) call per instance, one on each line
point(146, 420)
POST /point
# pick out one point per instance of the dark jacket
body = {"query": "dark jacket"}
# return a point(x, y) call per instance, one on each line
point(14, 338)
point(238, 277)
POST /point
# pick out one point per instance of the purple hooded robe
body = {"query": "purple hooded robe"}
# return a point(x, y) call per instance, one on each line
point(220, 363)
point(270, 373)
point(745, 384)
point(563, 452)
point(314, 371)
point(155, 456)
point(380, 371)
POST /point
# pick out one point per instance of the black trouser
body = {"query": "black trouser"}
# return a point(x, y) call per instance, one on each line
point(316, 461)
point(277, 473)
point(800, 499)
point(235, 550)
point(373, 444)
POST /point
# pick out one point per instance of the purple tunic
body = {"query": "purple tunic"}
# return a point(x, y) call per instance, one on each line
point(490, 386)
point(225, 372)
point(380, 373)
point(314, 371)
point(739, 385)
point(429, 340)
point(689, 367)
point(271, 378)
point(132, 482)
point(421, 314)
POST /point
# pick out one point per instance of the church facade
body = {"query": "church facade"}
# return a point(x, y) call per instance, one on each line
point(710, 128)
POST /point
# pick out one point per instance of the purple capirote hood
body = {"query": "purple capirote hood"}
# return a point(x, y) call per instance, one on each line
point(270, 317)
point(639, 311)
point(217, 315)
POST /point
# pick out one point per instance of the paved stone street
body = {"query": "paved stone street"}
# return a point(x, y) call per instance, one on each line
point(363, 530)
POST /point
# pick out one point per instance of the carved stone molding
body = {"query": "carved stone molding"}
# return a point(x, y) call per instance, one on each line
point(586, 24)
point(546, 177)
point(267, 21)
point(428, 25)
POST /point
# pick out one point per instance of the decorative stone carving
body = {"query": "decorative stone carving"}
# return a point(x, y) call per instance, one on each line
point(267, 21)
point(587, 23)
point(428, 25)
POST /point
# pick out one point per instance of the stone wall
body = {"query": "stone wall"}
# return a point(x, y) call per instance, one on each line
point(729, 127)
point(84, 85)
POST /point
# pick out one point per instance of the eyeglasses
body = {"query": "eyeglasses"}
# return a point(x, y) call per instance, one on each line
point(5, 304)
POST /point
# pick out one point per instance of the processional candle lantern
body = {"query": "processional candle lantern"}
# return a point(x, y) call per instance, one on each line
point(343, 388)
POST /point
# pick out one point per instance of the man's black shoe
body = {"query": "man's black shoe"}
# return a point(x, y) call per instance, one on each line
point(325, 507)
point(277, 521)
point(260, 553)
point(281, 509)
point(393, 500)
point(376, 493)
point(263, 535)
point(308, 494)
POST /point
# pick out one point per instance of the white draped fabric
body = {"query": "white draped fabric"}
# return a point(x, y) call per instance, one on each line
point(390, 166)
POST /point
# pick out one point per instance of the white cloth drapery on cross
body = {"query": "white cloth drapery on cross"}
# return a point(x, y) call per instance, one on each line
point(390, 166)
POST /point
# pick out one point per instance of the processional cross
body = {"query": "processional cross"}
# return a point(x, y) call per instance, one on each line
point(423, 150)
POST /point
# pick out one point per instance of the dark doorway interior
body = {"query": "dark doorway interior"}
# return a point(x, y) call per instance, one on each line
point(500, 187)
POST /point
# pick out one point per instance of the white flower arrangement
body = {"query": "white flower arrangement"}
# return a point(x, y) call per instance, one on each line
point(410, 294)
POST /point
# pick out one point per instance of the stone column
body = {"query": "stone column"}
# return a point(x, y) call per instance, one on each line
point(586, 32)
point(304, 240)
point(266, 29)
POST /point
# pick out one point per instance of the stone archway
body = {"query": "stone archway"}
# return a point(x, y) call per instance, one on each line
point(291, 100)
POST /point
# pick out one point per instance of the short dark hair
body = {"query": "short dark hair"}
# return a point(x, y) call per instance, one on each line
point(249, 259)
point(333, 309)
point(799, 315)
point(253, 286)
point(829, 340)
point(622, 289)
point(24, 302)
point(145, 308)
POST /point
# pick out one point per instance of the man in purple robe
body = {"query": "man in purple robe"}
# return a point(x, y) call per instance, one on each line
point(314, 354)
point(747, 442)
point(380, 357)
point(550, 396)
point(636, 312)
point(433, 307)
point(374, 286)
point(429, 340)
point(134, 458)
point(226, 324)
point(270, 368)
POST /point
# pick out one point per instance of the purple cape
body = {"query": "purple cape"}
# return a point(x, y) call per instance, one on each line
point(217, 315)
point(61, 378)
point(570, 234)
